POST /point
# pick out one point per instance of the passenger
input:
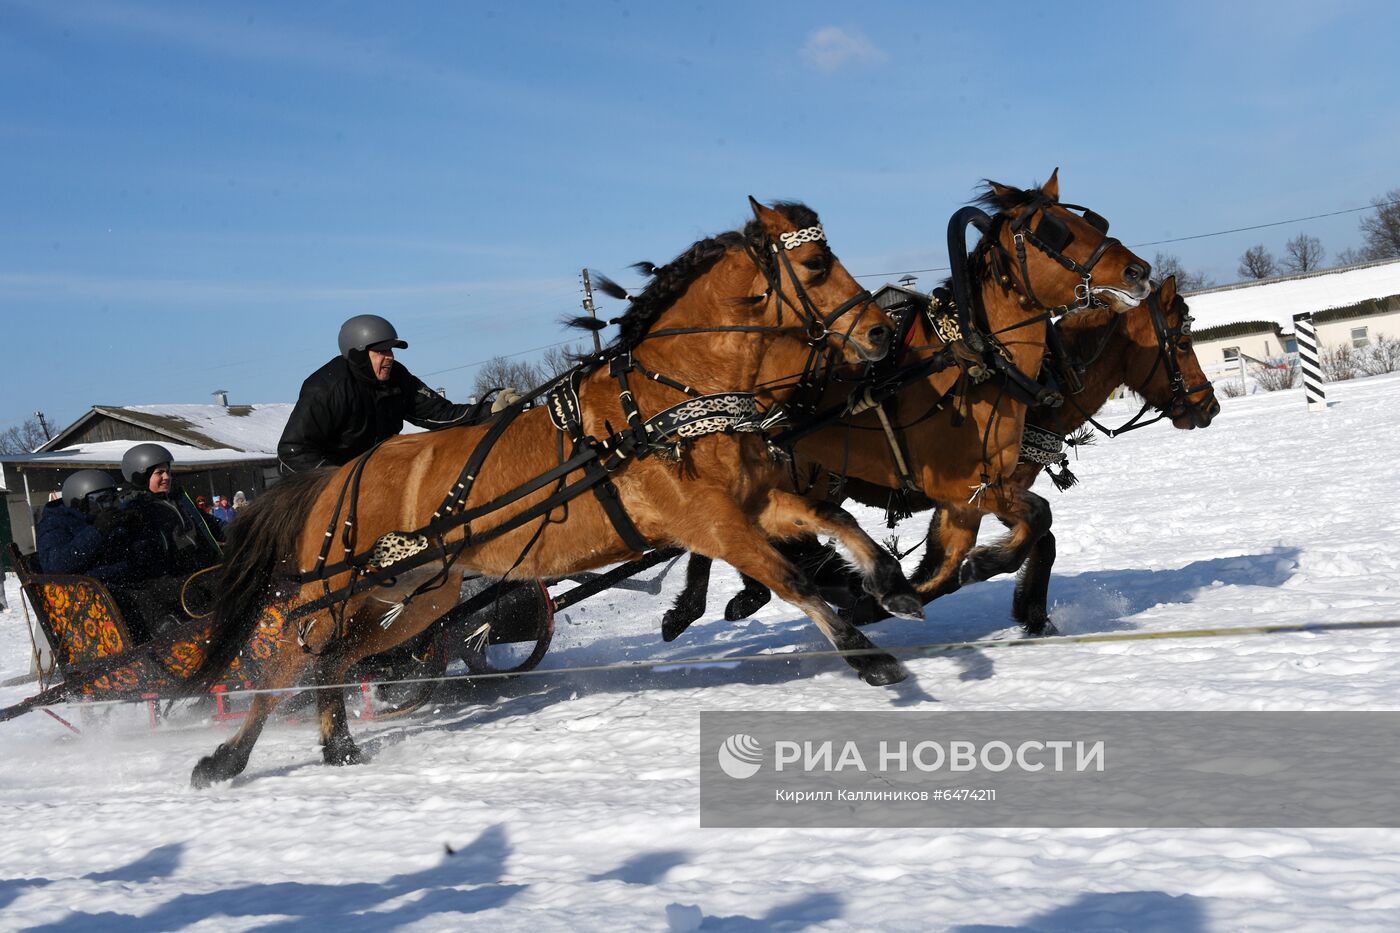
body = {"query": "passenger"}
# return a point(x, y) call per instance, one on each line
point(85, 532)
point(183, 538)
point(362, 397)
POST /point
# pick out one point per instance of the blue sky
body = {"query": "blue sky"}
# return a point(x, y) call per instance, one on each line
point(194, 196)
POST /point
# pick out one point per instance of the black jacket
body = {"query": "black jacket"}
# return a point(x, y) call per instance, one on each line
point(175, 537)
point(344, 411)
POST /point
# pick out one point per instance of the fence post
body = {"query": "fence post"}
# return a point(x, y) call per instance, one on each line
point(1306, 336)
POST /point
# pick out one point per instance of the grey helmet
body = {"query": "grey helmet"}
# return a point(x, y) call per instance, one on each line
point(138, 462)
point(365, 330)
point(77, 487)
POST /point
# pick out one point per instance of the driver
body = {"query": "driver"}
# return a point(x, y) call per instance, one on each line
point(363, 397)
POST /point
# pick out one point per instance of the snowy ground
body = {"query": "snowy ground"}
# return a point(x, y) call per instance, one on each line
point(571, 800)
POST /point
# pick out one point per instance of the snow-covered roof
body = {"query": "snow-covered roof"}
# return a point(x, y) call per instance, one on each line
point(248, 428)
point(1278, 300)
point(108, 454)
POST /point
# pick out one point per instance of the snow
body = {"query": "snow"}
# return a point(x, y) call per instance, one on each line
point(1280, 299)
point(109, 453)
point(571, 799)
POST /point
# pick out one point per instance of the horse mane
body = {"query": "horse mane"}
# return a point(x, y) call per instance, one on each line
point(669, 282)
point(1008, 199)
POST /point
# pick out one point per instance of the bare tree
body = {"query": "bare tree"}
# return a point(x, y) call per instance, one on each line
point(1350, 257)
point(1304, 254)
point(559, 359)
point(1257, 263)
point(1380, 232)
point(23, 438)
point(1166, 264)
point(501, 372)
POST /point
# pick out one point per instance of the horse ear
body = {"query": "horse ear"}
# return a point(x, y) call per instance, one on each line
point(774, 222)
point(1052, 187)
point(1167, 293)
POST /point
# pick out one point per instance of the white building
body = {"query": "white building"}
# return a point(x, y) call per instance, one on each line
point(1351, 305)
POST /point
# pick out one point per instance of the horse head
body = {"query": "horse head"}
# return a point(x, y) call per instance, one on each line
point(1058, 257)
point(804, 279)
point(1162, 366)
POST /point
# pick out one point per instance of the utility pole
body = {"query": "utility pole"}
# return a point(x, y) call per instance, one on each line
point(44, 426)
point(592, 312)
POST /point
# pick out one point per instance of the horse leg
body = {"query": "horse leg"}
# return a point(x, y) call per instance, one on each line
point(787, 516)
point(729, 536)
point(337, 747)
point(753, 597)
point(1032, 588)
point(230, 758)
point(690, 602)
point(365, 636)
point(951, 535)
point(1029, 518)
point(818, 561)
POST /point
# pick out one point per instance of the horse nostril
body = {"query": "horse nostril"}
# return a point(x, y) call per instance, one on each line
point(879, 336)
point(1135, 273)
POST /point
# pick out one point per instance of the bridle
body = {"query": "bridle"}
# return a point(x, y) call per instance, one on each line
point(1169, 341)
point(1051, 236)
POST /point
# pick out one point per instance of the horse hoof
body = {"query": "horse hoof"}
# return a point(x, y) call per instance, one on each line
point(1041, 628)
point(904, 606)
point(207, 773)
point(344, 755)
point(673, 624)
point(882, 671)
point(745, 604)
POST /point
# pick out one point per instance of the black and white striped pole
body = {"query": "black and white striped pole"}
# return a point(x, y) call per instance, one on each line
point(1306, 336)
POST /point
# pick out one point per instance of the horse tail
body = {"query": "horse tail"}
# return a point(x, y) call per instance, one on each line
point(263, 540)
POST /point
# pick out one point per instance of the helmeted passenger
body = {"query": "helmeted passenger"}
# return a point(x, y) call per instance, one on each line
point(363, 397)
point(182, 539)
point(84, 531)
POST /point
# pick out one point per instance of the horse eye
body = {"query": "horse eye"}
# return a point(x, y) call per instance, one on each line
point(816, 265)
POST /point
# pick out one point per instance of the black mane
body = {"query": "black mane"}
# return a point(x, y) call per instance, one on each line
point(1008, 200)
point(670, 281)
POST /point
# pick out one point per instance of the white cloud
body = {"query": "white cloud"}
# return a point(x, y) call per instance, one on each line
point(832, 48)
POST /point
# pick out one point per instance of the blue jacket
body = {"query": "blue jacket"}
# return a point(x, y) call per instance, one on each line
point(68, 543)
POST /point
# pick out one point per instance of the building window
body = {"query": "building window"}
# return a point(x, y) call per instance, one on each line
point(1290, 345)
point(1231, 353)
point(1358, 337)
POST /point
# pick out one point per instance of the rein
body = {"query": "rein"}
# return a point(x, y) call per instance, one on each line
point(1168, 356)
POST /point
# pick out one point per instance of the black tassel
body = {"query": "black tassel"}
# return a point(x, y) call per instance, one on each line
point(1063, 479)
point(897, 508)
point(646, 268)
point(1084, 437)
point(584, 322)
point(608, 287)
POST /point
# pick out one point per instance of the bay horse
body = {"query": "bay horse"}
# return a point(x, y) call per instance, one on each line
point(1036, 258)
point(1149, 350)
point(762, 308)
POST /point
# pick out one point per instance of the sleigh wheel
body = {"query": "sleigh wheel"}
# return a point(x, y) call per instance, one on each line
point(512, 634)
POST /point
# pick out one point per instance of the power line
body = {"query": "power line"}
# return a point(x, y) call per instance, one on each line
point(1179, 239)
point(1276, 223)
